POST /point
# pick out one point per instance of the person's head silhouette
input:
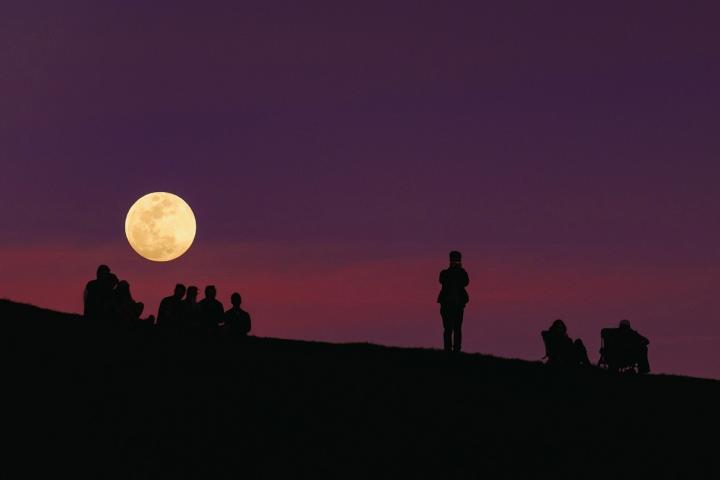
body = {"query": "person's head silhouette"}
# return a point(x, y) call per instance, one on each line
point(210, 291)
point(559, 325)
point(625, 324)
point(455, 257)
point(103, 271)
point(192, 292)
point(236, 299)
point(179, 290)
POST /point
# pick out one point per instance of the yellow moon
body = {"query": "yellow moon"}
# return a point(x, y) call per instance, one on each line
point(160, 226)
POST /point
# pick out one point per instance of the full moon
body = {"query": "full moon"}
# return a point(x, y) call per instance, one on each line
point(160, 226)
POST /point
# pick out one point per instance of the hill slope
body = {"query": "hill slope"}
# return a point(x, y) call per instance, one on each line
point(134, 405)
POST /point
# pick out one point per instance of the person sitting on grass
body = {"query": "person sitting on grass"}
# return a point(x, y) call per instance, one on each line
point(237, 320)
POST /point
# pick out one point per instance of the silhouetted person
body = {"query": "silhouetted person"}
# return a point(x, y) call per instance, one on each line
point(99, 298)
point(638, 344)
point(126, 309)
point(237, 320)
point(171, 312)
point(452, 299)
point(191, 311)
point(211, 310)
point(624, 348)
point(581, 353)
point(560, 348)
point(558, 344)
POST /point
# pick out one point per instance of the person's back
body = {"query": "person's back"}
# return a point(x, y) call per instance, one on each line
point(98, 298)
point(211, 310)
point(91, 299)
point(170, 312)
point(453, 279)
point(452, 299)
point(632, 338)
point(191, 311)
point(126, 308)
point(237, 320)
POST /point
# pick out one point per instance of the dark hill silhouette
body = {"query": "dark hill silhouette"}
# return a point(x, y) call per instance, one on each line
point(82, 399)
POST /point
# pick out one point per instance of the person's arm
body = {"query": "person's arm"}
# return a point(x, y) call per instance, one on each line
point(466, 279)
point(441, 279)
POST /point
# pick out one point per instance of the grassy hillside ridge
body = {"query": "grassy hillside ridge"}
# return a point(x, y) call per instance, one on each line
point(139, 405)
point(48, 322)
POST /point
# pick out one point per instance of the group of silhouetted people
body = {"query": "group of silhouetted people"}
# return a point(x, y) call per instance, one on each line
point(622, 348)
point(182, 312)
point(109, 299)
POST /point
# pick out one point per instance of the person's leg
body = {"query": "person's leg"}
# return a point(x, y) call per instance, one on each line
point(458, 329)
point(447, 328)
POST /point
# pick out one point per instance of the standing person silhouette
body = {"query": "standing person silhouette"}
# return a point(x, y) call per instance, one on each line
point(452, 299)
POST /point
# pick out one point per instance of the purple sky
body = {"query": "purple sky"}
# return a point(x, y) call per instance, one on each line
point(333, 154)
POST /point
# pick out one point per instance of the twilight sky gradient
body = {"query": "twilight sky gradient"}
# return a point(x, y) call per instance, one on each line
point(334, 152)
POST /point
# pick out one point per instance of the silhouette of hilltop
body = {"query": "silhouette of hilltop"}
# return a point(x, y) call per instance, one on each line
point(82, 399)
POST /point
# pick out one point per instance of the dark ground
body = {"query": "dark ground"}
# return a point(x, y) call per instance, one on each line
point(83, 400)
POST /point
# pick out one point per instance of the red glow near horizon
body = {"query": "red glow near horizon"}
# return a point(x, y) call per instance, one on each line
point(292, 293)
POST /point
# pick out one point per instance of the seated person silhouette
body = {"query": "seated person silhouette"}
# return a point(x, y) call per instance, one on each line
point(211, 310)
point(99, 297)
point(126, 309)
point(191, 310)
point(237, 320)
point(560, 348)
point(170, 312)
point(624, 349)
